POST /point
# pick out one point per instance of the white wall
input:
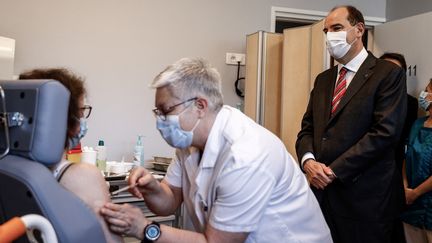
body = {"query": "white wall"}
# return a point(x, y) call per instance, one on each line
point(397, 9)
point(119, 46)
point(408, 36)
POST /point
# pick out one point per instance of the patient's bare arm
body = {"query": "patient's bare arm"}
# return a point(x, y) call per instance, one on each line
point(86, 181)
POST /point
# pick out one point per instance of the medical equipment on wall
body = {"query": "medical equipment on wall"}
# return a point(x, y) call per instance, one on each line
point(239, 87)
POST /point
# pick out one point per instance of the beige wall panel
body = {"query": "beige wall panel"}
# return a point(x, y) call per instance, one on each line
point(318, 51)
point(251, 75)
point(272, 82)
point(370, 41)
point(295, 83)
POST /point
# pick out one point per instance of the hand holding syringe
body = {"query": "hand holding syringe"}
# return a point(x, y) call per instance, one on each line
point(133, 185)
point(123, 189)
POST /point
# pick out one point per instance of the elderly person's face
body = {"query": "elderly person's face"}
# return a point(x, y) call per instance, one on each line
point(167, 104)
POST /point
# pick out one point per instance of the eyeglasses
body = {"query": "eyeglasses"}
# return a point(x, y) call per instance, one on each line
point(162, 114)
point(86, 111)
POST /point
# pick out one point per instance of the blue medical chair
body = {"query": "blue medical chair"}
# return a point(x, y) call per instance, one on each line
point(32, 140)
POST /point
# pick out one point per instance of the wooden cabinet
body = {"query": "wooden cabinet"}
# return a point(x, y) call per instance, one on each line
point(280, 71)
point(263, 79)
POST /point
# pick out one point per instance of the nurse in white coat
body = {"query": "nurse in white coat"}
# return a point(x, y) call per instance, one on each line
point(236, 179)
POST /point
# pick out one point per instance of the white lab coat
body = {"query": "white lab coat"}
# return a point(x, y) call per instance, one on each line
point(246, 181)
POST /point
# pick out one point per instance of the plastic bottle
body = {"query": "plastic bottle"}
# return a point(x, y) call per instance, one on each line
point(139, 152)
point(101, 156)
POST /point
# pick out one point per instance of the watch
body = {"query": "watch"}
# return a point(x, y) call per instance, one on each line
point(152, 232)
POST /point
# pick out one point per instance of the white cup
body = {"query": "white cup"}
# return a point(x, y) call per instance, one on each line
point(89, 156)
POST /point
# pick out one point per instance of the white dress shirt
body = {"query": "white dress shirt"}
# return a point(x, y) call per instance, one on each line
point(352, 68)
point(246, 181)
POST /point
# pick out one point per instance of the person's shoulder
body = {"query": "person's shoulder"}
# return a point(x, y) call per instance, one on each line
point(85, 169)
point(323, 78)
point(421, 120)
point(87, 182)
point(416, 126)
point(327, 72)
point(83, 176)
point(384, 65)
point(418, 123)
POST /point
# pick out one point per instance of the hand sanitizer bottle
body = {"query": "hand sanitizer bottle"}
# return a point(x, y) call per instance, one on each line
point(139, 152)
point(101, 156)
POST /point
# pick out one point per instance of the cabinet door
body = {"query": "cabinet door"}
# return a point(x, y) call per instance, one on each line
point(272, 82)
point(280, 71)
point(295, 82)
point(253, 76)
point(263, 79)
point(304, 57)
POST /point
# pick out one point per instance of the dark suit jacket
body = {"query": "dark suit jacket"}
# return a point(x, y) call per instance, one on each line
point(358, 142)
point(411, 116)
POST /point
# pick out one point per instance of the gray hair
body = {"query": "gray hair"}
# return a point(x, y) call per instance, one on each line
point(192, 77)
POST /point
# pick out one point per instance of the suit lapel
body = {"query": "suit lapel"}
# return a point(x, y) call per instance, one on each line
point(363, 74)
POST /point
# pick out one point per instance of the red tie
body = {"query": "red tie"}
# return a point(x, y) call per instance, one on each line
point(339, 90)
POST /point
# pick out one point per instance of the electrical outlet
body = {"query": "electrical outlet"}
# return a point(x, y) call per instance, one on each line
point(234, 58)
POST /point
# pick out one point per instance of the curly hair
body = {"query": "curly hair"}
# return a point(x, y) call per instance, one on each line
point(72, 82)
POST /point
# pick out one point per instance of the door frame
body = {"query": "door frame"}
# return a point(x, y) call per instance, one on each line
point(309, 16)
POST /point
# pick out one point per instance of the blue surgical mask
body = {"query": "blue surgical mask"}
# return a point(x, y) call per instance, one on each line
point(173, 134)
point(423, 102)
point(75, 140)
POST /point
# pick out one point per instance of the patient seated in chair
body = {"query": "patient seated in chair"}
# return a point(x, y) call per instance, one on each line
point(82, 179)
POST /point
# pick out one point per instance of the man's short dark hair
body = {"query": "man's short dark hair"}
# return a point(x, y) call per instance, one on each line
point(354, 15)
point(395, 56)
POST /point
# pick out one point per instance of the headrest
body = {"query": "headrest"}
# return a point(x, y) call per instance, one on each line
point(44, 105)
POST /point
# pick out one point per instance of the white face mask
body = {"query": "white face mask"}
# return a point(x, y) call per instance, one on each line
point(337, 44)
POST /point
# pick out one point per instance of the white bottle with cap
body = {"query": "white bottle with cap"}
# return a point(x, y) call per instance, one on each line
point(101, 155)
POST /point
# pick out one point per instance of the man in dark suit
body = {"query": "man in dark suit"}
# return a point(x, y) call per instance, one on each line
point(349, 133)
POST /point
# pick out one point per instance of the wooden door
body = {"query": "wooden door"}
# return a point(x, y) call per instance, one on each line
point(304, 57)
point(295, 82)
